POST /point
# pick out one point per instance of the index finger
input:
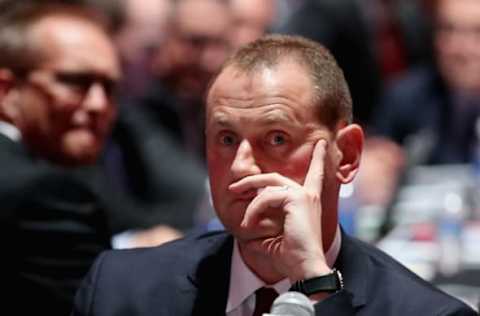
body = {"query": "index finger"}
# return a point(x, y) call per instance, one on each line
point(314, 178)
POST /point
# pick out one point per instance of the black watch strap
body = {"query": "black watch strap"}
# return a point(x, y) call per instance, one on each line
point(331, 282)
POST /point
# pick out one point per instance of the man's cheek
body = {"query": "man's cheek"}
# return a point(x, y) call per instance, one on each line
point(296, 170)
point(218, 166)
point(298, 163)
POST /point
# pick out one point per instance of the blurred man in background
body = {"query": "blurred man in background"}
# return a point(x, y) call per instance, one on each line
point(444, 97)
point(140, 35)
point(58, 75)
point(166, 124)
point(195, 47)
point(58, 71)
point(429, 116)
point(251, 20)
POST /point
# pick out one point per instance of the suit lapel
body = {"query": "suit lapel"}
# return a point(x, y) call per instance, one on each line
point(209, 282)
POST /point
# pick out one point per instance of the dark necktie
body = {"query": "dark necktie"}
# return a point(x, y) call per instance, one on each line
point(264, 298)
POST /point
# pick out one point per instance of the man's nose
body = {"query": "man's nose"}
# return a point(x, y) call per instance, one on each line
point(96, 99)
point(244, 163)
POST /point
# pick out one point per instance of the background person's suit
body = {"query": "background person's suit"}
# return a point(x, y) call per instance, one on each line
point(191, 277)
point(145, 162)
point(53, 226)
point(54, 223)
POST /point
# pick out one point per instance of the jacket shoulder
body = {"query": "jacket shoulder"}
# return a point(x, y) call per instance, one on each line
point(401, 291)
point(181, 253)
point(148, 280)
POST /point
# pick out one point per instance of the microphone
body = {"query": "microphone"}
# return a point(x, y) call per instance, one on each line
point(292, 304)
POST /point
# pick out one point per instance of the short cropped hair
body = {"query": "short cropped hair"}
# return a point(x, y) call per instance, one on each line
point(19, 51)
point(331, 94)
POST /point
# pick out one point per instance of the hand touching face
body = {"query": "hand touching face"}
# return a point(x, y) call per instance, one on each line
point(297, 245)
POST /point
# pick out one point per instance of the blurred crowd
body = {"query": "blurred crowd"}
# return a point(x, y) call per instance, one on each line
point(139, 69)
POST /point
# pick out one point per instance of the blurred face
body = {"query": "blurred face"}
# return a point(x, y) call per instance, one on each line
point(261, 123)
point(198, 46)
point(251, 20)
point(65, 106)
point(457, 43)
point(144, 30)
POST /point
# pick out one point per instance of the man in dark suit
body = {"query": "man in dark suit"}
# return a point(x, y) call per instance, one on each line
point(58, 70)
point(445, 96)
point(430, 115)
point(280, 142)
point(192, 52)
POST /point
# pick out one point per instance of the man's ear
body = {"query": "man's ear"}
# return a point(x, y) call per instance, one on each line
point(349, 142)
point(6, 82)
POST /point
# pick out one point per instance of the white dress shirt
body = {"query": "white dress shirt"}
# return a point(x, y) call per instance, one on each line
point(244, 283)
point(10, 131)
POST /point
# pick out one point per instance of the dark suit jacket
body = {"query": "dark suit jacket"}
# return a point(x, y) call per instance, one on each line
point(52, 225)
point(144, 163)
point(55, 221)
point(191, 277)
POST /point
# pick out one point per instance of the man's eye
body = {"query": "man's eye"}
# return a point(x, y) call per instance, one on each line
point(276, 139)
point(81, 82)
point(74, 80)
point(228, 139)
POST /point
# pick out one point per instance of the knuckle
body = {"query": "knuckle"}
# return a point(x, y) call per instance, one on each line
point(312, 196)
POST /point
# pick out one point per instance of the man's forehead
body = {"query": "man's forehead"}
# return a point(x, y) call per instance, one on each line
point(76, 45)
point(231, 78)
point(286, 77)
point(266, 118)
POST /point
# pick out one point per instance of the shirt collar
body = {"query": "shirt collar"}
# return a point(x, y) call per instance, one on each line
point(10, 131)
point(243, 282)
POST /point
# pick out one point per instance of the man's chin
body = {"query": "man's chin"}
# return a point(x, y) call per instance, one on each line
point(82, 155)
point(81, 159)
point(81, 148)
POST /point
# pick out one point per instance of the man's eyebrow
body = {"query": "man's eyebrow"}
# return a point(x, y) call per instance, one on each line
point(279, 117)
point(271, 118)
point(220, 119)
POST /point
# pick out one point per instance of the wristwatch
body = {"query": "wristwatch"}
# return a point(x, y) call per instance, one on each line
point(330, 283)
